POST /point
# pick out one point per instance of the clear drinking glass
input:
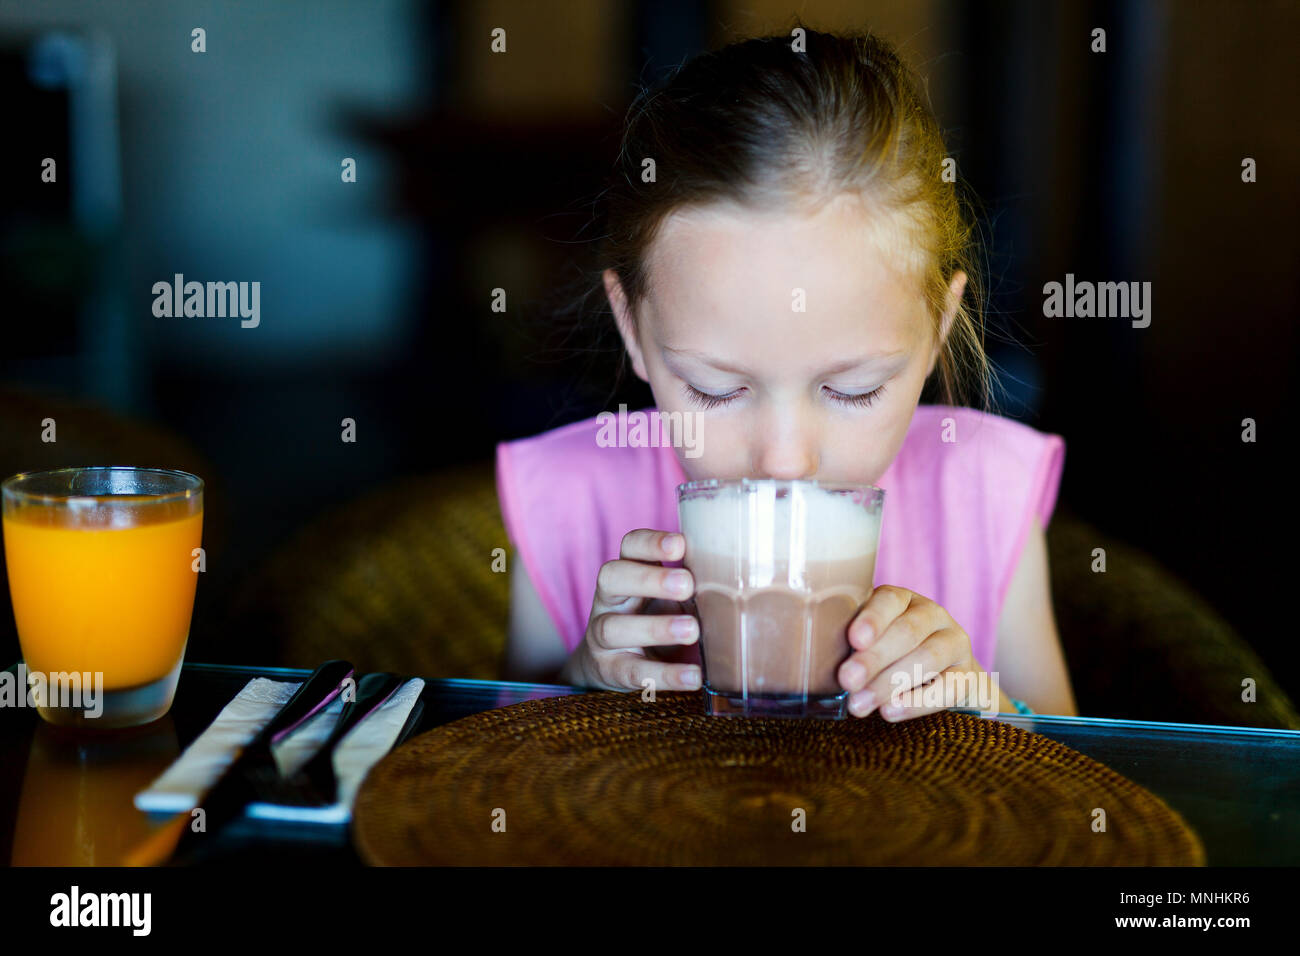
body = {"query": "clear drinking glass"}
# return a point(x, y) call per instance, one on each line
point(103, 567)
point(781, 568)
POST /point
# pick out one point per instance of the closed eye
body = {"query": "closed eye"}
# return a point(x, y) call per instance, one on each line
point(864, 400)
point(707, 400)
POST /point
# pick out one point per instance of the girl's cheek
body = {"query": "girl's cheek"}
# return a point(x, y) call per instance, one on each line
point(719, 458)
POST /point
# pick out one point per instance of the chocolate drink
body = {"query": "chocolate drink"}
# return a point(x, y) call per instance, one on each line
point(774, 597)
point(790, 641)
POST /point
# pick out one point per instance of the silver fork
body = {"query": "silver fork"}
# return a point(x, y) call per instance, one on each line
point(314, 784)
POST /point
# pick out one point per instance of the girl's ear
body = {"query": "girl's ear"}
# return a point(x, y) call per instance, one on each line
point(623, 319)
point(956, 289)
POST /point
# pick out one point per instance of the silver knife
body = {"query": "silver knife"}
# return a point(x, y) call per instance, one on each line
point(255, 765)
point(314, 783)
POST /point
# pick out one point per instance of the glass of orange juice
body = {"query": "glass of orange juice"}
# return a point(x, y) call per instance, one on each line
point(103, 564)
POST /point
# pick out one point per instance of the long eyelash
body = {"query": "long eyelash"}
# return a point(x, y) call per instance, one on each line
point(859, 401)
point(709, 401)
point(715, 401)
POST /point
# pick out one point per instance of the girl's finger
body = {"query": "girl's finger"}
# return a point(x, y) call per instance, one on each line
point(618, 581)
point(952, 680)
point(911, 672)
point(613, 631)
point(904, 634)
point(633, 670)
point(647, 545)
point(885, 603)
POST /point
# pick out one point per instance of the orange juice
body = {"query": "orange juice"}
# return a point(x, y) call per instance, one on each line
point(104, 588)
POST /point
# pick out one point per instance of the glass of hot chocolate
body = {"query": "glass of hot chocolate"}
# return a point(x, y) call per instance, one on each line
point(781, 568)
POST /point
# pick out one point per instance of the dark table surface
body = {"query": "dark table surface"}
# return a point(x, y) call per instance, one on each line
point(67, 798)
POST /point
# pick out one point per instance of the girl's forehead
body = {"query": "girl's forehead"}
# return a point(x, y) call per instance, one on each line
point(840, 269)
point(847, 244)
point(783, 340)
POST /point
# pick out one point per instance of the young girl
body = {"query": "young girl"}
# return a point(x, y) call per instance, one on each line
point(790, 268)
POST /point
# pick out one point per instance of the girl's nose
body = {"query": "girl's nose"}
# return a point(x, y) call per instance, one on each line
point(785, 453)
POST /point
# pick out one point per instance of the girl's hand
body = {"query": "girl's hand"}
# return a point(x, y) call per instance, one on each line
point(623, 639)
point(894, 632)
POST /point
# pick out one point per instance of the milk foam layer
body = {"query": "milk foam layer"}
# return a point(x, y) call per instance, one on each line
point(833, 526)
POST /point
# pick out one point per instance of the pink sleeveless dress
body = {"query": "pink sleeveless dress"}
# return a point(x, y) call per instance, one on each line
point(955, 519)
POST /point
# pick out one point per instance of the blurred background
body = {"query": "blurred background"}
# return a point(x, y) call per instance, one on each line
point(477, 171)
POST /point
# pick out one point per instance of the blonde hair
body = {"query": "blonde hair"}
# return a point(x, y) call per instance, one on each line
point(758, 125)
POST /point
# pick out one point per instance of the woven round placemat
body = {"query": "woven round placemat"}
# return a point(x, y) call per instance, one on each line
point(607, 779)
